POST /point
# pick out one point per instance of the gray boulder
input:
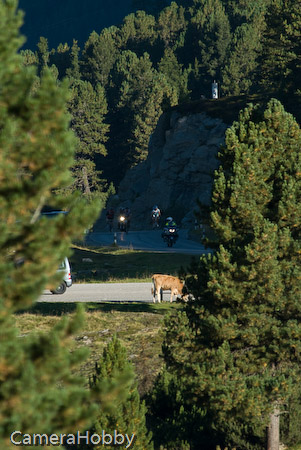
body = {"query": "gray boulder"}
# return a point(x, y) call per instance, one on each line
point(178, 171)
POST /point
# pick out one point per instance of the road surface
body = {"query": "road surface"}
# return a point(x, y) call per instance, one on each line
point(147, 241)
point(139, 240)
point(103, 292)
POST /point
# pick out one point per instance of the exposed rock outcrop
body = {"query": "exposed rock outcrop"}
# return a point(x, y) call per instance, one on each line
point(179, 168)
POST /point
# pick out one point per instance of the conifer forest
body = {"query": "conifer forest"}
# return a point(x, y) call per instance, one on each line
point(73, 120)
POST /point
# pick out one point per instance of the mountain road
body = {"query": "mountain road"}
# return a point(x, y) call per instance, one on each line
point(132, 292)
point(102, 292)
point(147, 241)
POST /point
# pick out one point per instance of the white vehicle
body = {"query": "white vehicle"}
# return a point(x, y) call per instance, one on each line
point(65, 270)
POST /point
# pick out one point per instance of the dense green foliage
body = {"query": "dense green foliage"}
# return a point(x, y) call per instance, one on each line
point(233, 355)
point(38, 389)
point(127, 415)
point(169, 53)
point(37, 150)
point(88, 107)
point(137, 92)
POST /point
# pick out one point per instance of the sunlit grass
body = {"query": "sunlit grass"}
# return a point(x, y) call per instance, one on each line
point(137, 325)
point(113, 264)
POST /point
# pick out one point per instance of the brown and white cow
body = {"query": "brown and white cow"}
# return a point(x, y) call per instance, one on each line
point(165, 283)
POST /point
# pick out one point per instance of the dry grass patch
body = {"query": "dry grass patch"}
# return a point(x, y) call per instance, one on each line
point(137, 325)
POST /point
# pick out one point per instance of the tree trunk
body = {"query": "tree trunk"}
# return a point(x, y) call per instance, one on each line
point(273, 430)
point(87, 190)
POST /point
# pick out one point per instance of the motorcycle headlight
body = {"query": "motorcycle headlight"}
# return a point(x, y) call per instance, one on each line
point(122, 219)
point(171, 230)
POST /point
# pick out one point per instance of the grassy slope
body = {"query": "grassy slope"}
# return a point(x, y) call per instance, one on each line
point(137, 325)
point(116, 264)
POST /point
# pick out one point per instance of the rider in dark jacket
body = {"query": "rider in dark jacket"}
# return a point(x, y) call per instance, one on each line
point(170, 224)
point(110, 218)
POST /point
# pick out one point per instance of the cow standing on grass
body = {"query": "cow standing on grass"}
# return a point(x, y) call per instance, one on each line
point(166, 283)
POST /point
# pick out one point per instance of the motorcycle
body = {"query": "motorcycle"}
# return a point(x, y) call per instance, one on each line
point(170, 236)
point(123, 223)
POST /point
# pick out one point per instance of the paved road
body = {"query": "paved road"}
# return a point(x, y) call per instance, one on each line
point(102, 292)
point(139, 240)
point(147, 241)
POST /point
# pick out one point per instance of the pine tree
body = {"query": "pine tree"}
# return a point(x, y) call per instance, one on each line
point(211, 34)
point(137, 96)
point(171, 25)
point(242, 60)
point(73, 72)
point(88, 108)
point(171, 421)
point(61, 59)
point(244, 11)
point(137, 34)
point(99, 55)
point(43, 53)
point(236, 346)
point(29, 57)
point(38, 389)
point(280, 60)
point(127, 415)
point(39, 392)
point(37, 151)
point(175, 74)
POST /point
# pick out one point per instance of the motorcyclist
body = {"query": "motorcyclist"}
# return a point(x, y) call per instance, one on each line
point(121, 218)
point(170, 223)
point(128, 216)
point(155, 216)
point(170, 229)
point(110, 218)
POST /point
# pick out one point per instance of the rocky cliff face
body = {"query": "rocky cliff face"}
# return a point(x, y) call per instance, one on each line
point(179, 168)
